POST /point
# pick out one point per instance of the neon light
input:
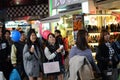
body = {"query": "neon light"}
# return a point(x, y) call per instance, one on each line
point(50, 7)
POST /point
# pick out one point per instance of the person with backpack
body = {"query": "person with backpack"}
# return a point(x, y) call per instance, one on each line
point(17, 55)
point(82, 49)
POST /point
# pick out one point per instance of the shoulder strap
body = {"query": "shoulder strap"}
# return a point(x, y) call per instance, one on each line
point(118, 44)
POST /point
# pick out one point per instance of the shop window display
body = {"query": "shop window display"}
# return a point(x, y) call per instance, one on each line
point(95, 23)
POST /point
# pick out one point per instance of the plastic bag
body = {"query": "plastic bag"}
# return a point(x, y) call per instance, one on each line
point(2, 76)
point(14, 75)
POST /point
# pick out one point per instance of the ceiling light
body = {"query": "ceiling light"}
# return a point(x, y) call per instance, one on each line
point(17, 3)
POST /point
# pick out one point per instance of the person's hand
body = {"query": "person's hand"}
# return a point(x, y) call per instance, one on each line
point(97, 75)
point(58, 50)
point(110, 63)
point(14, 65)
point(61, 46)
point(32, 49)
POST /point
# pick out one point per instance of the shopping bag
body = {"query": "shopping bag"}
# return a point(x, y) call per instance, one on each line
point(51, 67)
point(2, 76)
point(14, 75)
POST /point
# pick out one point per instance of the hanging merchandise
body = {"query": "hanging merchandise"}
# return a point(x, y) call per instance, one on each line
point(63, 32)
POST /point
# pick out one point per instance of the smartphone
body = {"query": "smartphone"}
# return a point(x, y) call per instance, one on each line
point(61, 46)
point(32, 46)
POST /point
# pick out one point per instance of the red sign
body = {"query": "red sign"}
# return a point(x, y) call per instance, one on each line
point(117, 16)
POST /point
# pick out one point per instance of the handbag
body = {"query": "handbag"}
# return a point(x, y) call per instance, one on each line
point(111, 74)
point(51, 67)
point(108, 72)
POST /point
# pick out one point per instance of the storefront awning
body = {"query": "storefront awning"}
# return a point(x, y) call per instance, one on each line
point(52, 18)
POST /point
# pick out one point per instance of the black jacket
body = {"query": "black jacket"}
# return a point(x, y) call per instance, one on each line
point(102, 57)
point(59, 40)
point(5, 64)
point(4, 51)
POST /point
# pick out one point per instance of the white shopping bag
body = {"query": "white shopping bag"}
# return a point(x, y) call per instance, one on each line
point(2, 76)
point(51, 67)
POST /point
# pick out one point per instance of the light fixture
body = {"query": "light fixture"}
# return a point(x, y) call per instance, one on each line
point(17, 3)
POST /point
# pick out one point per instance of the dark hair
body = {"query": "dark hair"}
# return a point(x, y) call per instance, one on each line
point(50, 34)
point(54, 47)
point(118, 37)
point(13, 28)
point(21, 32)
point(2, 32)
point(81, 41)
point(47, 43)
point(102, 34)
point(58, 31)
point(7, 31)
point(29, 42)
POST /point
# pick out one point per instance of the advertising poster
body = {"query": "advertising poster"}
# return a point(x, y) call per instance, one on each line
point(77, 24)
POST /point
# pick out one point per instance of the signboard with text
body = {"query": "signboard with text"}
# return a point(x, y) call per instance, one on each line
point(59, 3)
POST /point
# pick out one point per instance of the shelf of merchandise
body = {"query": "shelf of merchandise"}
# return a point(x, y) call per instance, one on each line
point(97, 33)
point(93, 34)
point(96, 43)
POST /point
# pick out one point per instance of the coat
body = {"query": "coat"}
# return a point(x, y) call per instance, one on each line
point(102, 57)
point(88, 53)
point(81, 64)
point(32, 62)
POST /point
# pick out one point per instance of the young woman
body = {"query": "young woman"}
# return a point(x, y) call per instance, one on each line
point(82, 49)
point(54, 52)
point(105, 54)
point(32, 57)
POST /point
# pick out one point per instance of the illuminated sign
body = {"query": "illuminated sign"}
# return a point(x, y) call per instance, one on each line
point(58, 3)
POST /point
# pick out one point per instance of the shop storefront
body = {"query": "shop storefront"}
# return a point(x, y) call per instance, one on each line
point(66, 15)
point(23, 25)
point(107, 17)
point(25, 17)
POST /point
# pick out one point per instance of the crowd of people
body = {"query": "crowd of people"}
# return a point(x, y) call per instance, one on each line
point(29, 53)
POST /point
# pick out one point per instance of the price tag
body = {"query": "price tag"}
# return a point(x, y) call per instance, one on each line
point(3, 45)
